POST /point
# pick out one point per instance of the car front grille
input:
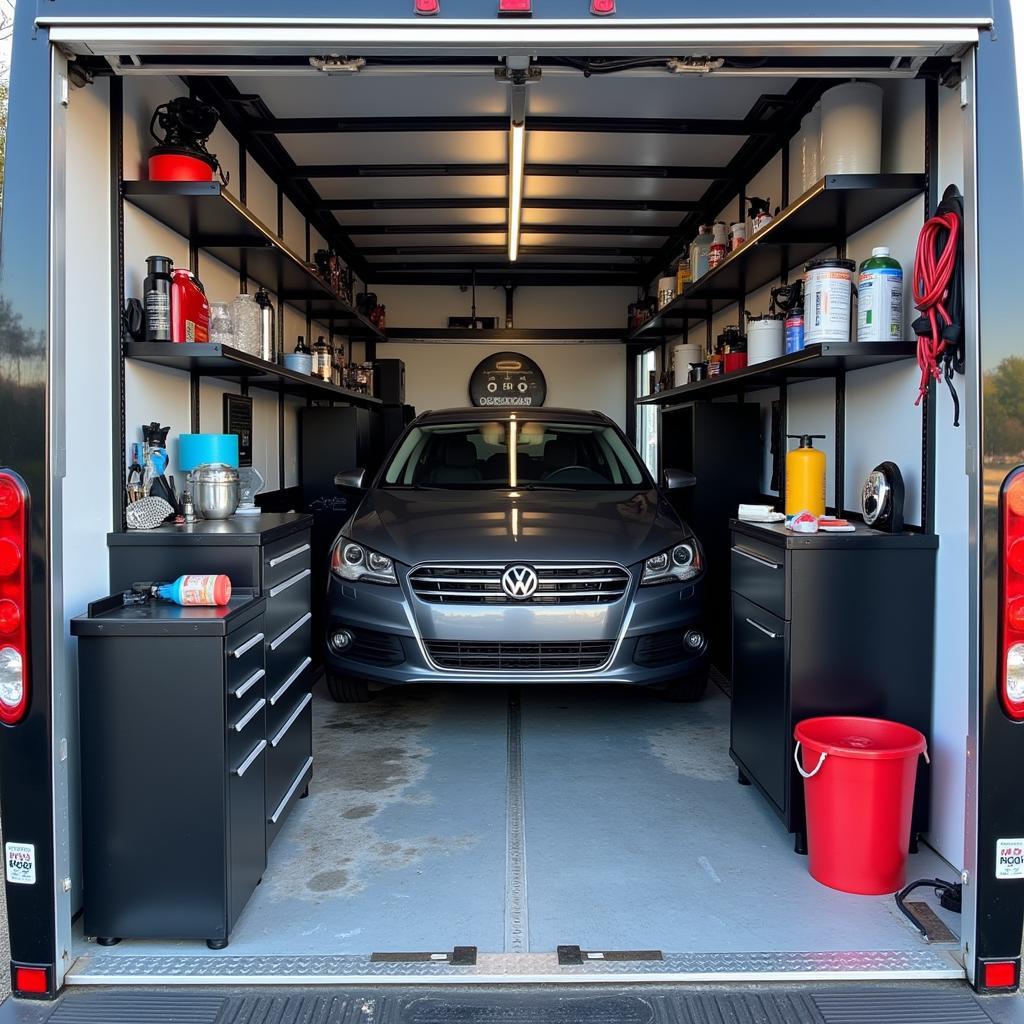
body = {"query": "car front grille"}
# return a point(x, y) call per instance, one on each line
point(551, 656)
point(481, 584)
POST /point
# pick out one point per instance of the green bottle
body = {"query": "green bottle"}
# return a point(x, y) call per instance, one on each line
point(880, 298)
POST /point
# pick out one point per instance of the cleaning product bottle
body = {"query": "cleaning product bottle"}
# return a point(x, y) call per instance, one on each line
point(880, 298)
point(209, 590)
point(805, 477)
point(700, 250)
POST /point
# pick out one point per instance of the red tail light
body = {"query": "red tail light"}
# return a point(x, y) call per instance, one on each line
point(515, 8)
point(13, 597)
point(427, 8)
point(30, 981)
point(602, 7)
point(1012, 572)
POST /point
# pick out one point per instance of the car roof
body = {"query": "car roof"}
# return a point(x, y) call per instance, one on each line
point(483, 415)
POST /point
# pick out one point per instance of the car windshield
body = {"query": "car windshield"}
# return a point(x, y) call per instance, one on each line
point(515, 452)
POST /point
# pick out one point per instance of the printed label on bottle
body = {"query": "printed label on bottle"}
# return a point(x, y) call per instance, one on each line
point(158, 314)
point(198, 590)
point(880, 305)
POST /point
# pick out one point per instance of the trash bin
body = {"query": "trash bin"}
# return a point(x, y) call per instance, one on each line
point(859, 776)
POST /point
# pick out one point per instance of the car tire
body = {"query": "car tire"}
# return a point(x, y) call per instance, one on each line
point(346, 690)
point(687, 690)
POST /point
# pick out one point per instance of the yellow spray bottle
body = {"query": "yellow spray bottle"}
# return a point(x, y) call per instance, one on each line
point(805, 477)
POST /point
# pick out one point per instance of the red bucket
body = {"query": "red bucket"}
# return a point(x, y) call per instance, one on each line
point(859, 776)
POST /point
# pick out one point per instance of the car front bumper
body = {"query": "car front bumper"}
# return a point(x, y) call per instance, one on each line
point(392, 631)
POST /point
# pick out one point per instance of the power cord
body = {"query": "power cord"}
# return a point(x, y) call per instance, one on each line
point(950, 896)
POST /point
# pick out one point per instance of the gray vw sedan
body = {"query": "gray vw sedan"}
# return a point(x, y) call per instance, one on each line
point(515, 547)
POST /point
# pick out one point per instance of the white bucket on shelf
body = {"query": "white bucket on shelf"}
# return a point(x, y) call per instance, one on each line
point(682, 356)
point(810, 148)
point(851, 129)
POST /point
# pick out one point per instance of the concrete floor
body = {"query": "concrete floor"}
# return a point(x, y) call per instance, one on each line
point(634, 835)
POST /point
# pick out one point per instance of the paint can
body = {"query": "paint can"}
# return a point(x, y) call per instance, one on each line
point(828, 300)
point(794, 331)
point(764, 338)
point(851, 129)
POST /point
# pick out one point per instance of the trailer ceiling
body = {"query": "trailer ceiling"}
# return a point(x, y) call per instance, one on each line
point(403, 164)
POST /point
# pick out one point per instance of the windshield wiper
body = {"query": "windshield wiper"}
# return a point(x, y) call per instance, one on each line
point(546, 487)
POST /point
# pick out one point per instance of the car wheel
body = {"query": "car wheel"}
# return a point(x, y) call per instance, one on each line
point(346, 690)
point(687, 690)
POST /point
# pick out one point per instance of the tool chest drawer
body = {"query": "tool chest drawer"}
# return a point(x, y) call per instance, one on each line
point(288, 647)
point(289, 746)
point(288, 692)
point(759, 573)
point(285, 558)
point(287, 600)
point(243, 655)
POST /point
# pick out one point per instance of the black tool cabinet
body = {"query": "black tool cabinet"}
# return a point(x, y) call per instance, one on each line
point(271, 554)
point(174, 712)
point(826, 624)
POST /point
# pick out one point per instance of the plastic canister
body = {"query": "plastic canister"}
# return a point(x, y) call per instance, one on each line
point(682, 275)
point(719, 245)
point(851, 129)
point(764, 338)
point(805, 477)
point(666, 290)
point(810, 148)
point(682, 356)
point(828, 300)
point(700, 249)
point(794, 331)
point(880, 298)
point(190, 312)
point(737, 234)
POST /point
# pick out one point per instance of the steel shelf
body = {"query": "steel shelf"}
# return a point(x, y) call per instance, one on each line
point(214, 220)
point(829, 212)
point(506, 334)
point(224, 363)
point(811, 363)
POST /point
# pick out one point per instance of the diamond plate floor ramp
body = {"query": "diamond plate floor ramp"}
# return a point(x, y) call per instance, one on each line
point(938, 1003)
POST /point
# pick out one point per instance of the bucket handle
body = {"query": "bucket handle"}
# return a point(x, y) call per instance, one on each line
point(800, 767)
point(821, 761)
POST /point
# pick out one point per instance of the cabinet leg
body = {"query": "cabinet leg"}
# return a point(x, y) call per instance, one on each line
point(800, 843)
point(914, 842)
point(106, 940)
point(217, 943)
point(741, 778)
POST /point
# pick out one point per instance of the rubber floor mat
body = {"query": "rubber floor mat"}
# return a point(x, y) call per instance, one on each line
point(140, 1008)
point(896, 1007)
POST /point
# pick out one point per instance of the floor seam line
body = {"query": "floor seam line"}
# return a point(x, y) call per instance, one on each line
point(516, 920)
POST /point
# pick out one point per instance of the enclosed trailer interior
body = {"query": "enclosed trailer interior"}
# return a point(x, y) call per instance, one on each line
point(517, 821)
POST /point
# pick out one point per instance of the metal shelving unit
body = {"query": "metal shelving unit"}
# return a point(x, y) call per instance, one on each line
point(216, 222)
point(225, 363)
point(836, 207)
point(812, 363)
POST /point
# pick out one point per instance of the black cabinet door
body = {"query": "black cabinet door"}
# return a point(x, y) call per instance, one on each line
point(247, 841)
point(759, 715)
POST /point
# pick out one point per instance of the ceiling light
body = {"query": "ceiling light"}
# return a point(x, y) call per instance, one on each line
point(516, 153)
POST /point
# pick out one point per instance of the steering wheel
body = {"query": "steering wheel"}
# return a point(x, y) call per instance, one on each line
point(569, 469)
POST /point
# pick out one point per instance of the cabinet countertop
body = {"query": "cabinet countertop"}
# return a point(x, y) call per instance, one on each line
point(862, 537)
point(238, 531)
point(161, 618)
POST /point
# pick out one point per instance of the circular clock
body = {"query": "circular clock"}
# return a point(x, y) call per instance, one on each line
point(507, 380)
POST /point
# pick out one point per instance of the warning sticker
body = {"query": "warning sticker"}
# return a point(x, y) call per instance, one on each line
point(1010, 858)
point(21, 863)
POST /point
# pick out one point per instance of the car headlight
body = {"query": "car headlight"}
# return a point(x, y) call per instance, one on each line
point(682, 562)
point(352, 561)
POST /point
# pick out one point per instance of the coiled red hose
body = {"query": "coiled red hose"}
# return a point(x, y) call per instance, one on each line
point(934, 265)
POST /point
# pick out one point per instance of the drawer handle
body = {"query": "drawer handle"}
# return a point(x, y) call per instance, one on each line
point(291, 719)
point(287, 555)
point(247, 763)
point(291, 679)
point(249, 715)
point(755, 558)
point(274, 644)
point(247, 646)
point(249, 683)
point(763, 629)
point(272, 820)
point(281, 587)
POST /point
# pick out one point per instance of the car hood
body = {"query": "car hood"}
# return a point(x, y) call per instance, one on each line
point(427, 526)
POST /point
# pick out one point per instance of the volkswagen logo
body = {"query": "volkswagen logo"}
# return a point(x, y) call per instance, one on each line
point(519, 582)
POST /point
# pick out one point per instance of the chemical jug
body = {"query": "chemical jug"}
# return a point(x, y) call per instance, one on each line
point(805, 477)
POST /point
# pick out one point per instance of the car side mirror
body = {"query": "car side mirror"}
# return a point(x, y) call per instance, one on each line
point(678, 479)
point(350, 479)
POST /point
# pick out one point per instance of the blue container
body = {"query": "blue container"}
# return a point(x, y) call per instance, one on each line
point(794, 332)
point(201, 449)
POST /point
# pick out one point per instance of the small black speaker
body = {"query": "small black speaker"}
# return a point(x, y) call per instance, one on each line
point(389, 381)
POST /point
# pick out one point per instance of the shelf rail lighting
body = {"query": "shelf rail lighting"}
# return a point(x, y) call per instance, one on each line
point(518, 70)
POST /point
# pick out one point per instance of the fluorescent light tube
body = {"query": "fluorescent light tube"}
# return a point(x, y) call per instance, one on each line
point(516, 154)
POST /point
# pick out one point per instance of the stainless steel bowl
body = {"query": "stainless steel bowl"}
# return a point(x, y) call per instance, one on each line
point(215, 490)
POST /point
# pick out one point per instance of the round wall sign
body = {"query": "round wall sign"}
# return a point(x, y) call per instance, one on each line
point(507, 380)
